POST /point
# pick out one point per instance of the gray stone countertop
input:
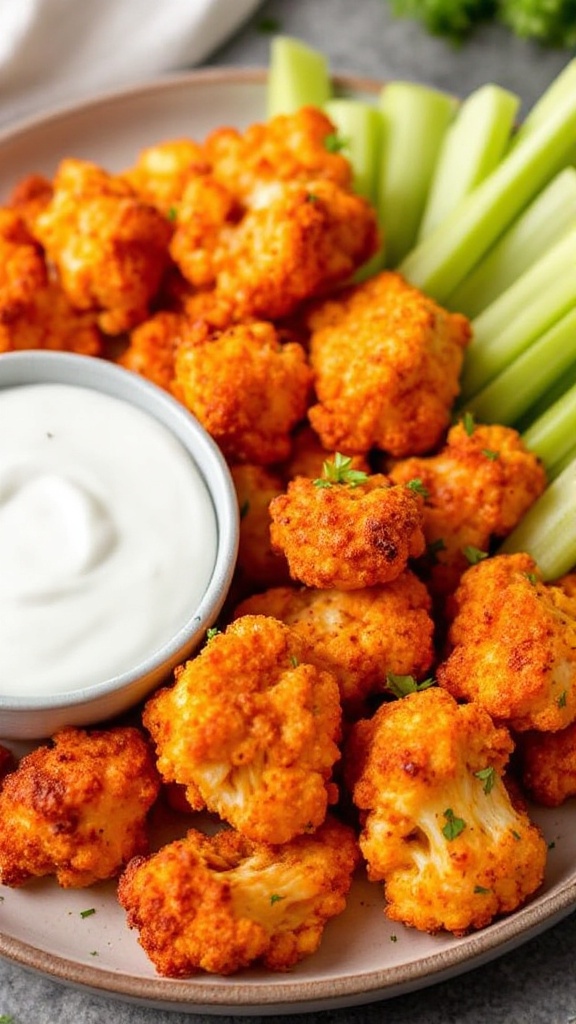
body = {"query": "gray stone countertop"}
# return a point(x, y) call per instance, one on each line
point(536, 982)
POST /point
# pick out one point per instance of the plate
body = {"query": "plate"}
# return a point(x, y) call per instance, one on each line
point(363, 957)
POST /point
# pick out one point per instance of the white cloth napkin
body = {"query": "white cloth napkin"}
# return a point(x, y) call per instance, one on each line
point(58, 51)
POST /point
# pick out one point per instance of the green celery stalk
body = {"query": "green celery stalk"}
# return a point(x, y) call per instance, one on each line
point(298, 76)
point(553, 435)
point(517, 387)
point(547, 398)
point(441, 260)
point(472, 147)
point(547, 530)
point(415, 119)
point(563, 85)
point(539, 226)
point(521, 314)
point(359, 128)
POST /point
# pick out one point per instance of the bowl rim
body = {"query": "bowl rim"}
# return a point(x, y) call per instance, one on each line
point(99, 374)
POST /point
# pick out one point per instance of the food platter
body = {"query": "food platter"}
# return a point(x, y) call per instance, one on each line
point(80, 936)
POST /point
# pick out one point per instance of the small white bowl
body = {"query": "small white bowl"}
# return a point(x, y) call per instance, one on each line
point(39, 716)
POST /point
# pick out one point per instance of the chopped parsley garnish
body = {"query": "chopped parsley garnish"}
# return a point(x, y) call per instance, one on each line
point(516, 835)
point(454, 826)
point(88, 913)
point(468, 423)
point(172, 213)
point(334, 143)
point(339, 471)
point(294, 661)
point(492, 455)
point(482, 890)
point(311, 197)
point(474, 555)
point(531, 577)
point(244, 509)
point(275, 898)
point(418, 487)
point(488, 777)
point(401, 686)
point(561, 702)
point(212, 632)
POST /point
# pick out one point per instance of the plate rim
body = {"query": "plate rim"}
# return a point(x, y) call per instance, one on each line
point(283, 993)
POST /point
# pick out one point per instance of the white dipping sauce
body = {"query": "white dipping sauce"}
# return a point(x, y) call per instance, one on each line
point(107, 537)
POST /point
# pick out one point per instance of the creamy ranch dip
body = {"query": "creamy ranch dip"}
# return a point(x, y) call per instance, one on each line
point(107, 537)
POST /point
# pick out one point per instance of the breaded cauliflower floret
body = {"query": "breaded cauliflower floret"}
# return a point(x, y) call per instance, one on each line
point(301, 241)
point(152, 348)
point(22, 267)
point(246, 387)
point(346, 536)
point(251, 728)
point(477, 487)
point(387, 361)
point(77, 809)
point(359, 635)
point(49, 321)
point(439, 828)
point(162, 171)
point(257, 565)
point(512, 645)
point(288, 147)
point(109, 248)
point(220, 903)
point(548, 765)
point(29, 196)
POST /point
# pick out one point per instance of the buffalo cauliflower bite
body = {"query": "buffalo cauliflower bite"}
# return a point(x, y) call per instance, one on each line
point(477, 488)
point(220, 903)
point(49, 321)
point(77, 809)
point(162, 171)
point(22, 267)
point(109, 248)
point(288, 147)
point(257, 564)
point(251, 728)
point(359, 635)
point(511, 645)
point(246, 387)
point(438, 826)
point(347, 536)
point(152, 347)
point(548, 765)
point(387, 360)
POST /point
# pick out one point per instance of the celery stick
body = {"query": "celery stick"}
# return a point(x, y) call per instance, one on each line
point(298, 76)
point(514, 390)
point(547, 398)
point(548, 529)
point(522, 313)
point(472, 147)
point(359, 127)
point(532, 233)
point(562, 86)
point(559, 465)
point(553, 434)
point(441, 260)
point(415, 120)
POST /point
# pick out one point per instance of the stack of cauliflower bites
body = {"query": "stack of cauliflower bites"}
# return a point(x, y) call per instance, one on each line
point(377, 663)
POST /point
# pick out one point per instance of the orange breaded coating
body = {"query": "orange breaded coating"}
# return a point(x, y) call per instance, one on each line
point(22, 267)
point(109, 248)
point(223, 902)
point(246, 387)
point(161, 172)
point(358, 635)
point(251, 727)
point(30, 196)
point(548, 765)
point(48, 321)
point(257, 565)
point(387, 361)
point(301, 241)
point(438, 826)
point(77, 809)
point(478, 487)
point(288, 147)
point(347, 537)
point(512, 645)
point(152, 348)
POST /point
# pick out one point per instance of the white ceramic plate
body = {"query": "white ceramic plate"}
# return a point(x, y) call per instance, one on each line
point(363, 957)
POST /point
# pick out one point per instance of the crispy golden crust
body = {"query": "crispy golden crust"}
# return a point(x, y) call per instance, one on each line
point(77, 809)
point(221, 903)
point(512, 645)
point(347, 537)
point(49, 321)
point(252, 726)
point(246, 387)
point(446, 841)
point(258, 565)
point(358, 635)
point(478, 487)
point(109, 248)
point(387, 361)
point(548, 765)
point(152, 348)
point(162, 171)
